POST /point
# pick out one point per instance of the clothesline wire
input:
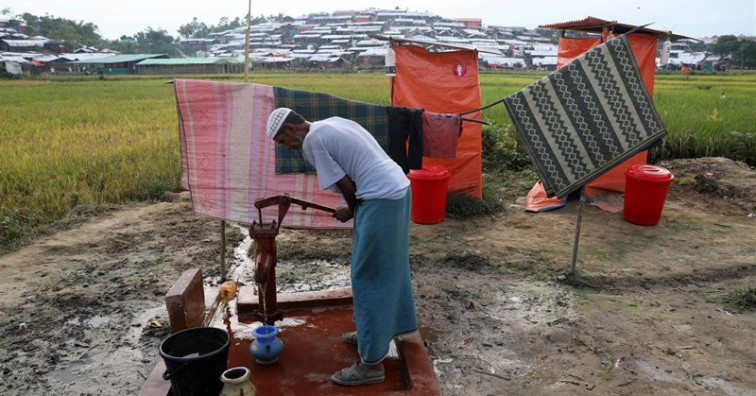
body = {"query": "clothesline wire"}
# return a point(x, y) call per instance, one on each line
point(474, 120)
point(502, 99)
point(484, 107)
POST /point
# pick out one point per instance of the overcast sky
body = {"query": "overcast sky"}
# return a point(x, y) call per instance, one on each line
point(694, 18)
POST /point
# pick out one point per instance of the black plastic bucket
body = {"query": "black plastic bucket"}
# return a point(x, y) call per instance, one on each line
point(195, 359)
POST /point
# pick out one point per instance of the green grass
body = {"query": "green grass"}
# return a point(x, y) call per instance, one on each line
point(65, 144)
point(78, 140)
point(702, 123)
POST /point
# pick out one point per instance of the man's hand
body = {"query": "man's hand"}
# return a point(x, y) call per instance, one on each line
point(343, 213)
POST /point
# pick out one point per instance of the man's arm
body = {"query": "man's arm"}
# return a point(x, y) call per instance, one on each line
point(348, 190)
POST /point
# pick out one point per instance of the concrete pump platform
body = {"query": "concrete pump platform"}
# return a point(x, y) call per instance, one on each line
point(313, 350)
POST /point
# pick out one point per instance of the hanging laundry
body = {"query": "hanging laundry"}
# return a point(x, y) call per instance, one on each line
point(441, 132)
point(444, 82)
point(405, 137)
point(315, 106)
point(228, 162)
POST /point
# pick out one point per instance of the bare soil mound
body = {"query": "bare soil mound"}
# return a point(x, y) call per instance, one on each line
point(722, 184)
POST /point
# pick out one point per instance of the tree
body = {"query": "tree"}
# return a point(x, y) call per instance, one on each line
point(276, 18)
point(193, 29)
point(224, 24)
point(153, 41)
point(67, 34)
point(747, 55)
point(88, 33)
point(725, 45)
point(125, 44)
point(197, 29)
point(72, 33)
point(258, 20)
point(742, 52)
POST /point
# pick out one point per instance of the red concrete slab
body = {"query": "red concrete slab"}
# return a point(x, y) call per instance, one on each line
point(247, 299)
point(313, 351)
point(155, 384)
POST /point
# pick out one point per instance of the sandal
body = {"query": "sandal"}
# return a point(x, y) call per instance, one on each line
point(350, 337)
point(354, 375)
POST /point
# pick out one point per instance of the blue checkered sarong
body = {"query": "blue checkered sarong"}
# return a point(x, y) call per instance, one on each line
point(315, 106)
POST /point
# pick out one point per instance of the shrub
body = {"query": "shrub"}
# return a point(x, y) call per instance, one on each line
point(743, 299)
point(500, 150)
point(14, 230)
point(464, 207)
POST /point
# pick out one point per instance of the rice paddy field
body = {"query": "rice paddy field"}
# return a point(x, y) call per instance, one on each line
point(68, 142)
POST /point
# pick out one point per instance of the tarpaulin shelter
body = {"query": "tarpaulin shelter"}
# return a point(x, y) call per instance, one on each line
point(643, 42)
point(445, 82)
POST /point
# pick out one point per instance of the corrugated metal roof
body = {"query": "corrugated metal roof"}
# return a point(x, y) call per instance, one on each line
point(596, 25)
point(16, 59)
point(121, 58)
point(188, 61)
point(46, 58)
point(25, 43)
point(84, 56)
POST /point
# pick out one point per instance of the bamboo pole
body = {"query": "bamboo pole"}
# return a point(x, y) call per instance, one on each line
point(246, 42)
point(246, 80)
point(223, 250)
point(577, 231)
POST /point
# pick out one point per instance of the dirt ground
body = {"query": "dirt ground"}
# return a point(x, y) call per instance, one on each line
point(81, 309)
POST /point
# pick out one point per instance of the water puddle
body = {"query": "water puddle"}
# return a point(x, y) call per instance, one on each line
point(95, 321)
point(98, 320)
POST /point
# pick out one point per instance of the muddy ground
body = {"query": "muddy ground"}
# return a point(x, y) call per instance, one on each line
point(649, 311)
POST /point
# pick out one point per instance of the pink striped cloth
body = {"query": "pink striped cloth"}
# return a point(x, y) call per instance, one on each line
point(228, 162)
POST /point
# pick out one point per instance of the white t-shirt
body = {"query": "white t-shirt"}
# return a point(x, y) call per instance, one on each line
point(337, 147)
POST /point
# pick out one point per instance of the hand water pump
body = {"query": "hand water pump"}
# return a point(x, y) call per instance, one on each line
point(264, 236)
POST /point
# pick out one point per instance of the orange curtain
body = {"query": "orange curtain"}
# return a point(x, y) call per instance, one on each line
point(644, 49)
point(571, 48)
point(444, 82)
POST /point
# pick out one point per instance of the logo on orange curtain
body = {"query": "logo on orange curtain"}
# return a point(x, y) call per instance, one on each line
point(459, 70)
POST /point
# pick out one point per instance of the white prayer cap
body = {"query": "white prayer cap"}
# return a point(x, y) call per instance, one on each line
point(276, 120)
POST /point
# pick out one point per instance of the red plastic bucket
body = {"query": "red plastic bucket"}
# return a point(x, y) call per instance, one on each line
point(429, 188)
point(646, 189)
